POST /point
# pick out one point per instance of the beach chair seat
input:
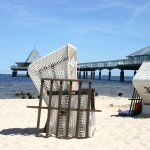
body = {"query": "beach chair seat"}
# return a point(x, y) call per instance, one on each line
point(71, 110)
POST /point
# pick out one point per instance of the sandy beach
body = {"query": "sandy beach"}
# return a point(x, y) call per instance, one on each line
point(18, 124)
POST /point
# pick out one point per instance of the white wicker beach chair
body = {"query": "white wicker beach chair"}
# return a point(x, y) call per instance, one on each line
point(60, 64)
point(141, 82)
point(69, 107)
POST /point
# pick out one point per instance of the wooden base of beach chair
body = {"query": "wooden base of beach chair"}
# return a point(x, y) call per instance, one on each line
point(71, 114)
point(84, 91)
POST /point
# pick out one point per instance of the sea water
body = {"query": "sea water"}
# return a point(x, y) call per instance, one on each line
point(13, 87)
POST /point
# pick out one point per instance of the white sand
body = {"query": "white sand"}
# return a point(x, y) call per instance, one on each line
point(18, 123)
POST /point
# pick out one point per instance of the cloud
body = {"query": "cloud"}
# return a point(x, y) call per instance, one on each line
point(136, 14)
point(94, 5)
point(42, 16)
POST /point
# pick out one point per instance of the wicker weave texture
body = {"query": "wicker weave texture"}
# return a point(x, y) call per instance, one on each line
point(72, 119)
point(61, 63)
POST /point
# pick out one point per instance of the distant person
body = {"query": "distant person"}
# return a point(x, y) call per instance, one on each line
point(135, 111)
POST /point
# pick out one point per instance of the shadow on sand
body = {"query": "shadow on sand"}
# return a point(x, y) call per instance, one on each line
point(19, 131)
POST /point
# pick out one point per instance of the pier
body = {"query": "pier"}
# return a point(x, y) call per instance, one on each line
point(23, 66)
point(133, 62)
point(84, 70)
point(124, 64)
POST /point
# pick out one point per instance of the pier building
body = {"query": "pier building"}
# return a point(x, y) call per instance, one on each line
point(23, 66)
point(132, 62)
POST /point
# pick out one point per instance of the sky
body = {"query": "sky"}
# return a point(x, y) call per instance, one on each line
point(100, 29)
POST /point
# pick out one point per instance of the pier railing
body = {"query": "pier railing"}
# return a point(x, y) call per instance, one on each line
point(18, 68)
point(110, 64)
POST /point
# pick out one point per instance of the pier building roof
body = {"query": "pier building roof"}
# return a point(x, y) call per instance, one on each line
point(34, 55)
point(141, 52)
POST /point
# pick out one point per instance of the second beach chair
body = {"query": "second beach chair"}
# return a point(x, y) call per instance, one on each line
point(141, 82)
